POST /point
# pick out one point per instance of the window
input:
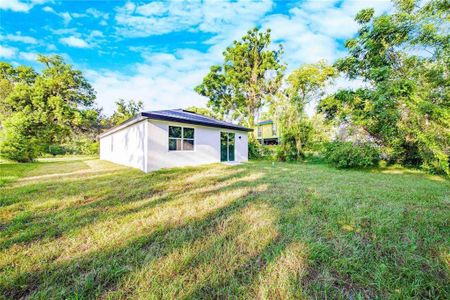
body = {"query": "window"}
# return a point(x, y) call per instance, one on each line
point(181, 138)
point(112, 143)
point(259, 131)
point(274, 130)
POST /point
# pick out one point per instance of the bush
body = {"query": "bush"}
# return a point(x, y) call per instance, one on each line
point(56, 150)
point(258, 151)
point(287, 150)
point(15, 143)
point(81, 145)
point(253, 151)
point(351, 155)
point(19, 148)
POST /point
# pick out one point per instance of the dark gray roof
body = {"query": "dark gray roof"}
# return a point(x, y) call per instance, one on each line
point(265, 122)
point(177, 115)
point(189, 117)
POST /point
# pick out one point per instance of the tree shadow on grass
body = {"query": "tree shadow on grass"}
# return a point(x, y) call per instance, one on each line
point(107, 267)
point(100, 271)
point(28, 227)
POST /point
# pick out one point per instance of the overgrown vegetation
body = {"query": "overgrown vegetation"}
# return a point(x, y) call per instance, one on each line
point(352, 155)
point(84, 228)
point(404, 58)
point(40, 110)
point(403, 106)
point(52, 112)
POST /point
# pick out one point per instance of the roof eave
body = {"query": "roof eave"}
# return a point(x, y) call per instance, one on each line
point(137, 118)
point(194, 122)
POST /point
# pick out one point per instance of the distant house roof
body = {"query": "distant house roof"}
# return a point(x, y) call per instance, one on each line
point(177, 115)
point(265, 122)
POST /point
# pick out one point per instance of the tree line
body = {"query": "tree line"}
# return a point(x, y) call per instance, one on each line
point(51, 112)
point(400, 113)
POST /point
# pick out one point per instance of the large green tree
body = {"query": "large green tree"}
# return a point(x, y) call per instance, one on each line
point(404, 59)
point(40, 109)
point(204, 111)
point(250, 74)
point(125, 110)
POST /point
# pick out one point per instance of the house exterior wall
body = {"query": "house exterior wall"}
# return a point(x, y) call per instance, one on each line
point(127, 146)
point(145, 145)
point(206, 146)
point(266, 131)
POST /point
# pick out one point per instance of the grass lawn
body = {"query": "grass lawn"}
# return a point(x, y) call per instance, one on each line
point(83, 228)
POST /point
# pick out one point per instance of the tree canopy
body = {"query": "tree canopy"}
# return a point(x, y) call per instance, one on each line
point(404, 60)
point(125, 110)
point(39, 109)
point(203, 111)
point(250, 74)
point(304, 85)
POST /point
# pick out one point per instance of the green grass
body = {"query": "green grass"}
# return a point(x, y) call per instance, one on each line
point(83, 228)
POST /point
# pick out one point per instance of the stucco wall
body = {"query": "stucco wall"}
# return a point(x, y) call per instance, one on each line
point(206, 150)
point(126, 146)
point(145, 145)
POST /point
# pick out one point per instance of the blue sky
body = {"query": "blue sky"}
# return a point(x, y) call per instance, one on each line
point(159, 51)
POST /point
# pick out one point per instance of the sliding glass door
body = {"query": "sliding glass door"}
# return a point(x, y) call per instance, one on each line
point(227, 146)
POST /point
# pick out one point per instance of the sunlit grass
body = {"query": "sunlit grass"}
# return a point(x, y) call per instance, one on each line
point(85, 228)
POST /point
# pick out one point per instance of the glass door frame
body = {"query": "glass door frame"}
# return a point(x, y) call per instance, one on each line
point(228, 134)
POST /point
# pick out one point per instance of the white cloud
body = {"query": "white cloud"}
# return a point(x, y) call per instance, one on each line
point(162, 81)
point(14, 5)
point(65, 16)
point(18, 37)
point(97, 14)
point(28, 56)
point(14, 53)
point(75, 42)
point(51, 47)
point(309, 32)
point(63, 31)
point(95, 34)
point(209, 16)
point(7, 52)
point(49, 9)
point(19, 6)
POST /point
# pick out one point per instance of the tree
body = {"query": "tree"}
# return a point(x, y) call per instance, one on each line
point(251, 73)
point(125, 110)
point(304, 85)
point(404, 59)
point(38, 110)
point(203, 111)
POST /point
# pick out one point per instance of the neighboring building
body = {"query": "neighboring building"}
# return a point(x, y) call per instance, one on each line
point(173, 138)
point(267, 133)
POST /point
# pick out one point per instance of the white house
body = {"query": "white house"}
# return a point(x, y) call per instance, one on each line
point(173, 138)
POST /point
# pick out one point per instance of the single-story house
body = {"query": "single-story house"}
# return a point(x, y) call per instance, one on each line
point(172, 138)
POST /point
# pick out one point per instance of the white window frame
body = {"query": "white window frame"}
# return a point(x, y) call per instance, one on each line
point(182, 139)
